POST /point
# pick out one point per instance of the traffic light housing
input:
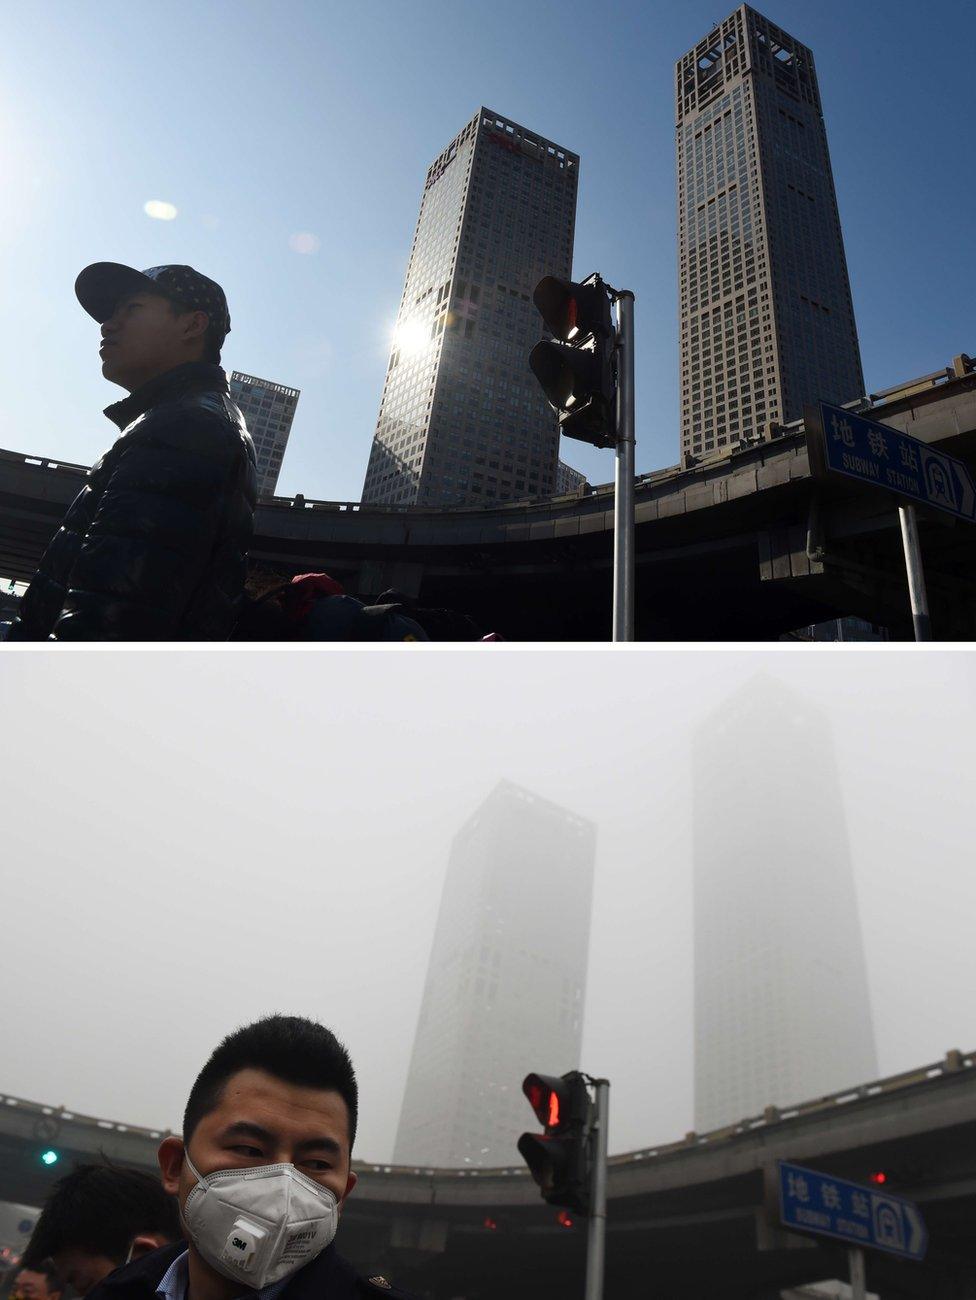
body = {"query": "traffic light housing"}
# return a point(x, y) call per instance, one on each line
point(558, 1158)
point(577, 370)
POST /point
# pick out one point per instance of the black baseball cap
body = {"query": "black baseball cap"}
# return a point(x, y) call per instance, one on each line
point(100, 286)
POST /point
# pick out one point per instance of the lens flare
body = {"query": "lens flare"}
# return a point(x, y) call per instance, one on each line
point(304, 242)
point(159, 210)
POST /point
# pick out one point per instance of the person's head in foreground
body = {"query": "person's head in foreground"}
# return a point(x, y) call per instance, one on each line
point(152, 321)
point(37, 1281)
point(98, 1217)
point(264, 1164)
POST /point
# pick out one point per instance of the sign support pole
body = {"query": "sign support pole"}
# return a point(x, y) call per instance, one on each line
point(623, 498)
point(596, 1231)
point(916, 576)
point(855, 1258)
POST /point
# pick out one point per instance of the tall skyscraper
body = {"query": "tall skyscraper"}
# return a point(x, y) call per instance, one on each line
point(269, 409)
point(782, 1012)
point(462, 418)
point(506, 981)
point(568, 479)
point(767, 322)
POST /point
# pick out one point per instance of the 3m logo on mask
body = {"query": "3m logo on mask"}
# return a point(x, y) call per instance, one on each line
point(243, 1243)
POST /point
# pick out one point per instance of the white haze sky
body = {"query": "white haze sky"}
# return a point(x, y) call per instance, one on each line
point(191, 840)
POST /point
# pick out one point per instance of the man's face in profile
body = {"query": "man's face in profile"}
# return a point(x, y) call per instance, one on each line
point(261, 1120)
point(145, 336)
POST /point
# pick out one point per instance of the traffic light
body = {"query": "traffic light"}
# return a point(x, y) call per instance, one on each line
point(558, 1158)
point(577, 371)
point(902, 1173)
point(50, 1157)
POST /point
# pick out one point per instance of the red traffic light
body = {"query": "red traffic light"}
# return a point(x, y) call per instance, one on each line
point(577, 372)
point(879, 1178)
point(564, 1219)
point(543, 1100)
point(573, 311)
point(544, 1092)
point(558, 1158)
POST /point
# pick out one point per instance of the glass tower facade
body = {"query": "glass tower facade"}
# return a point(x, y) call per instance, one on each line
point(506, 981)
point(462, 419)
point(568, 479)
point(782, 1013)
point(767, 322)
point(268, 410)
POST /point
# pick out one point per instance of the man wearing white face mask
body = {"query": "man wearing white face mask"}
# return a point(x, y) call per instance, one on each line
point(260, 1174)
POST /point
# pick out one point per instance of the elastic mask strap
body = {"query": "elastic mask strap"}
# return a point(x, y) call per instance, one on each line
point(192, 1168)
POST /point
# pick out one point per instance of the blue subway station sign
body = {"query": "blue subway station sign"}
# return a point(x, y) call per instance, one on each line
point(861, 1216)
point(840, 442)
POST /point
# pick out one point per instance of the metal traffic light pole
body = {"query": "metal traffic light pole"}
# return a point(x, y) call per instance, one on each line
point(916, 574)
point(623, 499)
point(596, 1230)
point(855, 1259)
point(587, 374)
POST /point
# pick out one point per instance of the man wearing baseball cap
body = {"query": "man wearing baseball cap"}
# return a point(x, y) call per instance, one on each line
point(154, 546)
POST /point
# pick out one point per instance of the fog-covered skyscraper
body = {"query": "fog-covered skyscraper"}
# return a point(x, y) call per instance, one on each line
point(767, 323)
point(506, 981)
point(462, 418)
point(782, 1012)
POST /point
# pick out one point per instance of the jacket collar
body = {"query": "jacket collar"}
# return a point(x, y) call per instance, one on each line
point(193, 375)
point(143, 1276)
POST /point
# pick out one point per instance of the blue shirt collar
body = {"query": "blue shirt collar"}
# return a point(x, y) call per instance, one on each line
point(175, 1283)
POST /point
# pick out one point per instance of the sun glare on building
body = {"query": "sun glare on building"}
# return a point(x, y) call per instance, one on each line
point(411, 336)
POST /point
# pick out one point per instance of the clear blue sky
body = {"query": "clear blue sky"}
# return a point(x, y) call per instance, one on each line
point(264, 121)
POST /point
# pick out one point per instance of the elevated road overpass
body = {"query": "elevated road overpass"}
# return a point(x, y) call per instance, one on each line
point(746, 545)
point(686, 1220)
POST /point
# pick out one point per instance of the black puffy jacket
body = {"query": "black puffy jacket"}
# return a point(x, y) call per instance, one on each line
point(154, 546)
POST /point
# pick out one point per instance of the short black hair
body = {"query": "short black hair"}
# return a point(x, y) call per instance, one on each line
point(99, 1208)
point(213, 340)
point(292, 1048)
point(52, 1278)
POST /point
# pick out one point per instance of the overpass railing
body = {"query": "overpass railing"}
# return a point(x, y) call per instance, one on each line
point(43, 462)
point(962, 366)
point(301, 502)
point(953, 1063)
point(61, 1113)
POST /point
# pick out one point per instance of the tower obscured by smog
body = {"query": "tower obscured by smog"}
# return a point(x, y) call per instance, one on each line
point(782, 1012)
point(506, 981)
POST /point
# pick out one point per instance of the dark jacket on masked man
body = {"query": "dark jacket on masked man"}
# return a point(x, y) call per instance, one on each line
point(154, 546)
point(327, 1277)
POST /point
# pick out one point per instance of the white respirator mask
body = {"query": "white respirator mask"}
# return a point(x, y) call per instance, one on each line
point(258, 1226)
